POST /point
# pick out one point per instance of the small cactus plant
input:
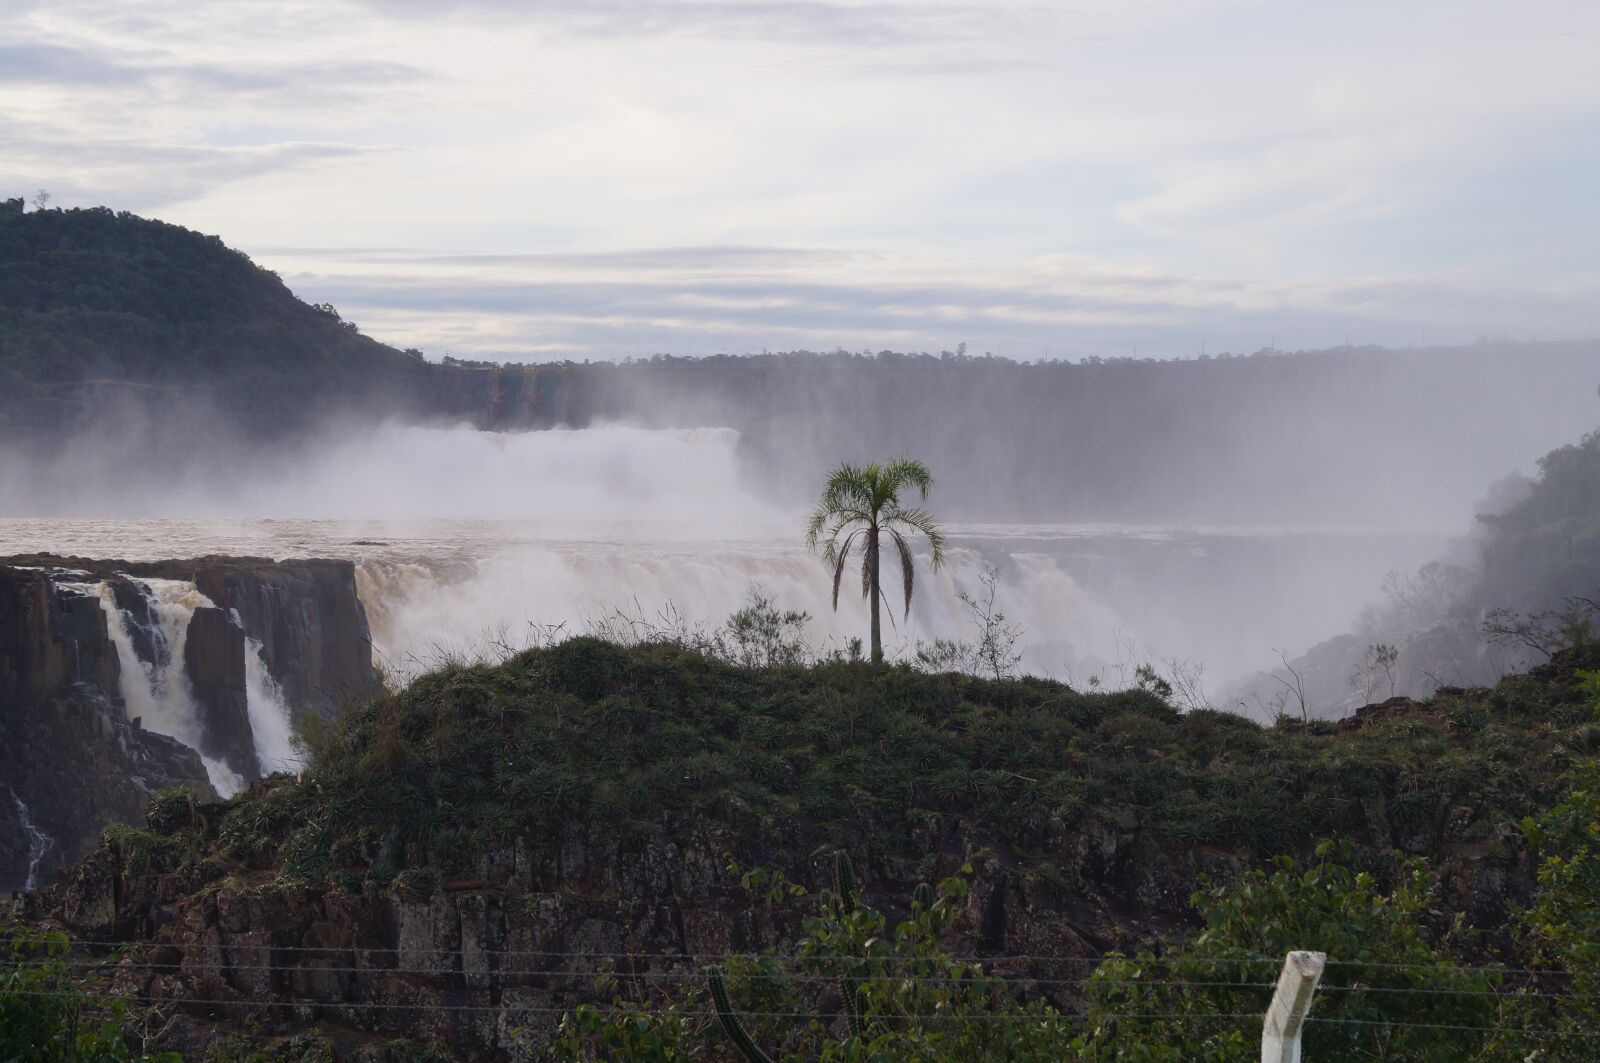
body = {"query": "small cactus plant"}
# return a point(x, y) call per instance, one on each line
point(849, 982)
point(730, 1022)
point(844, 877)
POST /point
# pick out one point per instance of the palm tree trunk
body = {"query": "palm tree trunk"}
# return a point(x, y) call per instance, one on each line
point(872, 569)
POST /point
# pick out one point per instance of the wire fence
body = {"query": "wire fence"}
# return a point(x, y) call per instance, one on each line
point(668, 971)
point(688, 956)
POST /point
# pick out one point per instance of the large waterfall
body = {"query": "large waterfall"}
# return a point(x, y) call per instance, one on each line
point(467, 541)
point(513, 594)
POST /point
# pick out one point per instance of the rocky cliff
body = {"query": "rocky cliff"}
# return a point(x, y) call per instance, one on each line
point(118, 679)
point(70, 758)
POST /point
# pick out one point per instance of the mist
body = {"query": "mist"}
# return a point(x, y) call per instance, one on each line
point(1141, 528)
point(614, 475)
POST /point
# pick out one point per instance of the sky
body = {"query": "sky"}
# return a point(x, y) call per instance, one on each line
point(617, 178)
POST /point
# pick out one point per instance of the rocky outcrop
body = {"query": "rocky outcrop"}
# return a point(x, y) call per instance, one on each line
point(509, 952)
point(308, 619)
point(74, 765)
point(49, 640)
point(75, 756)
point(213, 659)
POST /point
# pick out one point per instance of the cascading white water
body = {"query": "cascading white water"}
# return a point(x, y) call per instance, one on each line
point(420, 614)
point(462, 537)
point(158, 691)
point(271, 726)
point(39, 842)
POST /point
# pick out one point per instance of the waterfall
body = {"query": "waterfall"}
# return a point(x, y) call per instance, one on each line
point(422, 613)
point(271, 723)
point(39, 842)
point(157, 690)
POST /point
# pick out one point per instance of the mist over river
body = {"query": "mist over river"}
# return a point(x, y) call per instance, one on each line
point(469, 542)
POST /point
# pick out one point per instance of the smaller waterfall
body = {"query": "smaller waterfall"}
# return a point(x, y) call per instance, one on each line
point(39, 842)
point(271, 724)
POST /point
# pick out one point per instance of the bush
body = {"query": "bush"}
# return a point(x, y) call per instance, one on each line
point(46, 1016)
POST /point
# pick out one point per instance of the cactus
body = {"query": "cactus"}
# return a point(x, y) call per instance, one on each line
point(849, 980)
point(845, 876)
point(849, 989)
point(850, 993)
point(730, 1022)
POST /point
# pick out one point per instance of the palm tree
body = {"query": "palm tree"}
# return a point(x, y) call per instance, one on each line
point(862, 503)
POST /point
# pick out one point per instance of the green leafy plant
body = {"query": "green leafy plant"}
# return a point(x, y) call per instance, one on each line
point(902, 994)
point(48, 1016)
point(1394, 992)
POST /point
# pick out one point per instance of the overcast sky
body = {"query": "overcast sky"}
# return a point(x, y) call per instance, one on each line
point(622, 177)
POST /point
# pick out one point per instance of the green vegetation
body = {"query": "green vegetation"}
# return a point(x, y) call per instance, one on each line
point(592, 740)
point(1402, 986)
point(861, 989)
point(131, 308)
point(866, 502)
point(47, 1015)
point(1396, 988)
point(1546, 547)
point(588, 740)
point(1563, 927)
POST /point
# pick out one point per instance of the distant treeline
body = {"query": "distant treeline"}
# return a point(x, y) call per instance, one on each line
point(1358, 437)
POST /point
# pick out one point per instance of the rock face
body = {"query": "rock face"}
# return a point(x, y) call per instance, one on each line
point(74, 753)
point(213, 660)
point(511, 951)
point(308, 619)
point(49, 640)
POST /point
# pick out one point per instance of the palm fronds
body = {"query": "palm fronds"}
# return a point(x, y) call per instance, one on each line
point(867, 499)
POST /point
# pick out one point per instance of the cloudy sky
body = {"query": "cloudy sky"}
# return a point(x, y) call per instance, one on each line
point(605, 178)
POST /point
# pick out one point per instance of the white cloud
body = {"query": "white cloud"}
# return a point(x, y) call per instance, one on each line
point(1289, 147)
point(740, 299)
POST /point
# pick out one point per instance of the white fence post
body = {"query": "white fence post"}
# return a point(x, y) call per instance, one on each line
point(1286, 1016)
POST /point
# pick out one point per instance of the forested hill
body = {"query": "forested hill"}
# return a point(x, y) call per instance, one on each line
point(100, 307)
point(103, 312)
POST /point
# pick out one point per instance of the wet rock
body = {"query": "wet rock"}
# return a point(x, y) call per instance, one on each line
point(309, 622)
point(213, 658)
